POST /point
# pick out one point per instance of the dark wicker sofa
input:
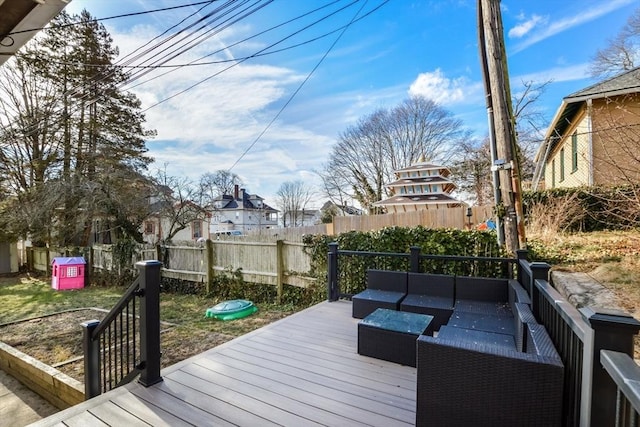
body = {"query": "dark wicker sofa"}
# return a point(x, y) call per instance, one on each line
point(491, 365)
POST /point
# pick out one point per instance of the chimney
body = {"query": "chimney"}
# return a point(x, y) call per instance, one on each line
point(235, 192)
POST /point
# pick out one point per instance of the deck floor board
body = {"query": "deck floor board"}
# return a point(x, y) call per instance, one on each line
point(302, 370)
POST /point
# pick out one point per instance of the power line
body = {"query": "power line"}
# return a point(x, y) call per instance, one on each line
point(125, 15)
point(262, 52)
point(286, 104)
point(195, 63)
point(249, 57)
point(100, 77)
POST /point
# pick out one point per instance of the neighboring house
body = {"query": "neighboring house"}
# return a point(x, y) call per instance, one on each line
point(594, 138)
point(341, 210)
point(241, 211)
point(302, 217)
point(420, 186)
point(17, 16)
point(193, 220)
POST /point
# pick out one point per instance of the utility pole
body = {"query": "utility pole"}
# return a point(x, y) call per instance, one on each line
point(493, 58)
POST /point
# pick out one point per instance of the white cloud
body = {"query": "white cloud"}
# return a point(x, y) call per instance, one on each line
point(444, 90)
point(582, 16)
point(525, 27)
point(556, 74)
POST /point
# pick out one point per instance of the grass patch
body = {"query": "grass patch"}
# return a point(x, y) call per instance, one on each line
point(54, 339)
point(25, 296)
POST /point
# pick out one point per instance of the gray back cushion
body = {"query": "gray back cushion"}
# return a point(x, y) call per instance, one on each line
point(385, 280)
point(436, 285)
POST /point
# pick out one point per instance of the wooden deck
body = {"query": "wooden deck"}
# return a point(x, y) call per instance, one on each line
point(302, 370)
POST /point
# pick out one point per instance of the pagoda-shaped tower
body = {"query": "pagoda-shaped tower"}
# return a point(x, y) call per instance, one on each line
point(420, 186)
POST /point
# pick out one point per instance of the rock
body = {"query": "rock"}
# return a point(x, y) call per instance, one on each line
point(583, 290)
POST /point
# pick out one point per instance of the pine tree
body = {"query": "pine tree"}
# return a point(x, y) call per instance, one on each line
point(96, 153)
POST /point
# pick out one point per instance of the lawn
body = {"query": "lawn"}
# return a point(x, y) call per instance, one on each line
point(53, 333)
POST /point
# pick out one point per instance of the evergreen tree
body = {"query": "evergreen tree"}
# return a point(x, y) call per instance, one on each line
point(91, 159)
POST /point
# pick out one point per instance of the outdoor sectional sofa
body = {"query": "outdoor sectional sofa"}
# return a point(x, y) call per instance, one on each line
point(485, 360)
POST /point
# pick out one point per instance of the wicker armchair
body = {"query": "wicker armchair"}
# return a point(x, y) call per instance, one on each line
point(470, 383)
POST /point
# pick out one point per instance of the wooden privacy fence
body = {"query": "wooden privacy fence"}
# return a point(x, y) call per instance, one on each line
point(432, 218)
point(275, 263)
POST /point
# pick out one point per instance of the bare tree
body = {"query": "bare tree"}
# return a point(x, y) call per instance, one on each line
point(292, 198)
point(530, 121)
point(472, 171)
point(174, 203)
point(367, 153)
point(472, 160)
point(216, 184)
point(622, 53)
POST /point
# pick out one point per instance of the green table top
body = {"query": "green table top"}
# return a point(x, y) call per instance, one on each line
point(398, 321)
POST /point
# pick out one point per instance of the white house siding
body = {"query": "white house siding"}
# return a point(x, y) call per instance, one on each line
point(572, 177)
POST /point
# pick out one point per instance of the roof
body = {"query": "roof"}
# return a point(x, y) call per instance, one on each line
point(419, 199)
point(424, 166)
point(68, 260)
point(624, 83)
point(447, 184)
point(20, 15)
point(244, 201)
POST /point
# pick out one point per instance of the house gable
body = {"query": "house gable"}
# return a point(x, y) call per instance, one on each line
point(594, 136)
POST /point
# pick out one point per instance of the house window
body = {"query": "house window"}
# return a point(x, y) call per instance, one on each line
point(196, 226)
point(562, 165)
point(149, 227)
point(574, 152)
point(553, 173)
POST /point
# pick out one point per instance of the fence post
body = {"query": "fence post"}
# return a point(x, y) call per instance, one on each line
point(91, 360)
point(415, 259)
point(279, 269)
point(521, 256)
point(150, 321)
point(333, 290)
point(210, 270)
point(612, 330)
point(539, 271)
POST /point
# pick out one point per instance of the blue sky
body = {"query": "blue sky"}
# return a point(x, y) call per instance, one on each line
point(425, 47)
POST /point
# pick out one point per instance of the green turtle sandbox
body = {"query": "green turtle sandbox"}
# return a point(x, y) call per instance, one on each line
point(230, 310)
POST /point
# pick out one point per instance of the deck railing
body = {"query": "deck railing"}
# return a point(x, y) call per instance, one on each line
point(346, 269)
point(601, 384)
point(626, 374)
point(126, 343)
point(580, 335)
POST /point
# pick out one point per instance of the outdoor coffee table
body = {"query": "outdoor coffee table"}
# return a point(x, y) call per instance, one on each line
point(391, 335)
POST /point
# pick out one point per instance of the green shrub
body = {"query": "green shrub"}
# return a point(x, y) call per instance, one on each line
point(605, 208)
point(352, 269)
